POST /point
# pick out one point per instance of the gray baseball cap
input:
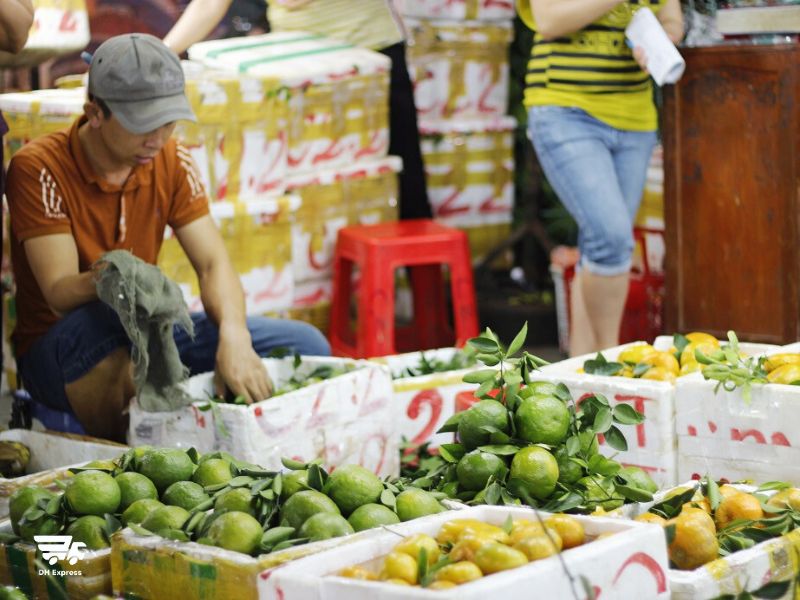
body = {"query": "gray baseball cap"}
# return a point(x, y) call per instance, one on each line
point(141, 81)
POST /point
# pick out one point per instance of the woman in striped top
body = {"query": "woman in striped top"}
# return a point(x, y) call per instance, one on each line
point(593, 124)
point(366, 23)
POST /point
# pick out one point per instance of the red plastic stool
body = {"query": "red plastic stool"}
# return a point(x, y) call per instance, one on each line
point(378, 250)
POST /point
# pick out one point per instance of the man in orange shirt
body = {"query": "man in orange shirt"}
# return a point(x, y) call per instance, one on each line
point(115, 180)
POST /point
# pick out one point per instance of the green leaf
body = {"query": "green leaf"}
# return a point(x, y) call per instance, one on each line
point(240, 481)
point(565, 502)
point(289, 543)
point(573, 445)
point(193, 454)
point(625, 414)
point(500, 449)
point(316, 477)
point(484, 344)
point(485, 388)
point(603, 420)
point(562, 393)
point(277, 484)
point(616, 440)
point(518, 341)
point(600, 366)
point(493, 493)
point(276, 535)
point(451, 425)
point(669, 532)
point(512, 379)
point(422, 564)
point(712, 492)
point(603, 466)
point(773, 485)
point(508, 525)
point(388, 499)
point(292, 465)
point(680, 342)
point(53, 505)
point(453, 451)
point(774, 589)
point(499, 437)
point(641, 369)
point(479, 376)
point(489, 360)
point(633, 494)
point(193, 522)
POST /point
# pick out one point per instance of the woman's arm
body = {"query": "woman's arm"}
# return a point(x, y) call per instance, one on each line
point(196, 22)
point(671, 19)
point(16, 17)
point(555, 18)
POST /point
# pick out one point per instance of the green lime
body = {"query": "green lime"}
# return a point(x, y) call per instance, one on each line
point(93, 493)
point(293, 482)
point(324, 526)
point(569, 471)
point(368, 516)
point(100, 465)
point(238, 499)
point(139, 510)
point(166, 517)
point(165, 466)
point(546, 388)
point(186, 494)
point(542, 420)
point(484, 413)
point(638, 478)
point(413, 503)
point(303, 505)
point(589, 444)
point(351, 486)
point(212, 472)
point(134, 486)
point(475, 468)
point(22, 500)
point(600, 491)
point(216, 454)
point(91, 531)
point(537, 469)
point(236, 531)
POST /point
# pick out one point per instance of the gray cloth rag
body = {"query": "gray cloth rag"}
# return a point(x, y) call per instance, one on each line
point(149, 305)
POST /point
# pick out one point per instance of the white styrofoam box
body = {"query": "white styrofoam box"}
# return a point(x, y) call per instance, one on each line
point(427, 401)
point(664, 342)
point(731, 433)
point(346, 419)
point(651, 444)
point(472, 86)
point(51, 455)
point(795, 347)
point(469, 168)
point(746, 570)
point(478, 10)
point(630, 563)
point(59, 27)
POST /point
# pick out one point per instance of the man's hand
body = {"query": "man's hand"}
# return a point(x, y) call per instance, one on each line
point(240, 368)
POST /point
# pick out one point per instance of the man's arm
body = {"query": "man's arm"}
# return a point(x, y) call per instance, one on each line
point(555, 18)
point(221, 292)
point(196, 22)
point(54, 262)
point(16, 18)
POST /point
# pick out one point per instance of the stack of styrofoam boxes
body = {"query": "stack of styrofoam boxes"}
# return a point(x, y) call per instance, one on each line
point(722, 434)
point(337, 135)
point(349, 418)
point(458, 59)
point(652, 445)
point(630, 563)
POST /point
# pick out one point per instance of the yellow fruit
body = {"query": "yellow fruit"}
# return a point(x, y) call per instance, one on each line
point(467, 545)
point(660, 374)
point(396, 581)
point(702, 504)
point(779, 360)
point(738, 506)
point(665, 360)
point(626, 372)
point(689, 367)
point(524, 528)
point(569, 529)
point(412, 546)
point(727, 490)
point(788, 498)
point(358, 573)
point(651, 518)
point(688, 354)
point(699, 337)
point(450, 531)
point(634, 354)
point(398, 565)
point(442, 585)
point(695, 541)
point(536, 547)
point(459, 572)
point(492, 558)
point(786, 374)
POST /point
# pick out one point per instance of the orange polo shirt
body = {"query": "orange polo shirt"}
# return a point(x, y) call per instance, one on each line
point(52, 188)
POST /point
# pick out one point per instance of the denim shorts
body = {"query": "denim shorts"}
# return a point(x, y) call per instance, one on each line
point(85, 336)
point(598, 173)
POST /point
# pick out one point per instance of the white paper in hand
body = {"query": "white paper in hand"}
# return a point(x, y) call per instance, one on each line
point(665, 63)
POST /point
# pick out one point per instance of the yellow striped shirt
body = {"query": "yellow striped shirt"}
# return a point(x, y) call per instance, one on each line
point(365, 23)
point(593, 69)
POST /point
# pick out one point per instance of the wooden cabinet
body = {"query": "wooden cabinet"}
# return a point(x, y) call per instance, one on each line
point(731, 133)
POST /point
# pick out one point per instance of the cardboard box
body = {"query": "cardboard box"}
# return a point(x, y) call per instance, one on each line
point(631, 563)
point(346, 419)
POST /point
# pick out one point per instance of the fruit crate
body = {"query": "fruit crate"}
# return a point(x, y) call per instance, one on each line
point(21, 565)
point(744, 571)
point(349, 418)
point(652, 446)
point(630, 563)
point(427, 401)
point(51, 455)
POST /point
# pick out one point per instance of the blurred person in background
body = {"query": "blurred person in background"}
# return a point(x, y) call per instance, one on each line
point(366, 23)
point(593, 124)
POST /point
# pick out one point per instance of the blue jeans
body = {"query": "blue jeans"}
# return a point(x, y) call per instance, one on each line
point(85, 336)
point(598, 173)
